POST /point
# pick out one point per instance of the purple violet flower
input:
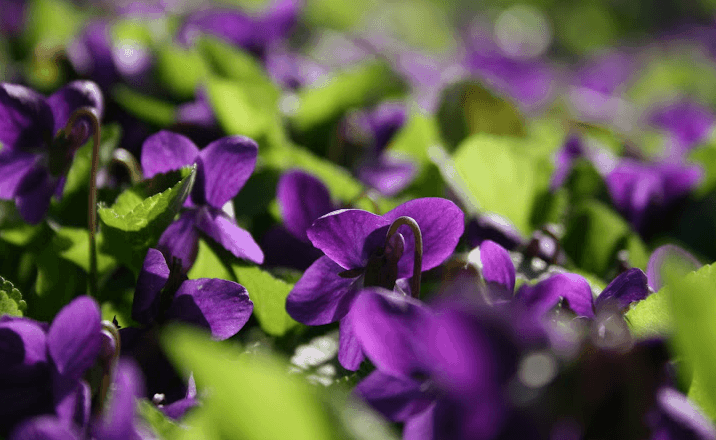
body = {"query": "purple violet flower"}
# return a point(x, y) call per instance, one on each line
point(359, 254)
point(224, 166)
point(662, 255)
point(37, 148)
point(42, 366)
point(688, 124)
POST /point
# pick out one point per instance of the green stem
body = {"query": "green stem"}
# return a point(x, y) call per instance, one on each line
point(418, 256)
point(92, 214)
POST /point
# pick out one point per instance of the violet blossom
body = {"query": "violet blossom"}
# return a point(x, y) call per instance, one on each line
point(37, 147)
point(688, 124)
point(224, 166)
point(359, 254)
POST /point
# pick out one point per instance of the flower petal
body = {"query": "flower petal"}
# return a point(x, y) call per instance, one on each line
point(225, 166)
point(166, 151)
point(546, 294)
point(350, 354)
point(44, 428)
point(663, 254)
point(626, 288)
point(421, 426)
point(349, 236)
point(231, 236)
point(22, 344)
point(219, 305)
point(391, 329)
point(181, 240)
point(68, 99)
point(150, 282)
point(397, 398)
point(497, 266)
point(321, 296)
point(441, 225)
point(117, 422)
point(302, 198)
point(25, 118)
point(74, 338)
point(33, 194)
point(14, 165)
point(388, 175)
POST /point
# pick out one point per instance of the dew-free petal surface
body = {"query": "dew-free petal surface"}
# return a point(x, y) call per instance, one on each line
point(226, 164)
point(181, 240)
point(497, 266)
point(545, 295)
point(68, 99)
point(231, 236)
point(166, 151)
point(150, 282)
point(350, 354)
point(626, 288)
point(397, 398)
point(26, 120)
point(302, 198)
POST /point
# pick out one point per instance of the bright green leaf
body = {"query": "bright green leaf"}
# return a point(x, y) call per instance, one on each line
point(650, 317)
point(229, 62)
point(246, 109)
point(11, 302)
point(144, 107)
point(180, 70)
point(163, 426)
point(418, 134)
point(251, 396)
point(74, 246)
point(269, 297)
point(78, 175)
point(208, 265)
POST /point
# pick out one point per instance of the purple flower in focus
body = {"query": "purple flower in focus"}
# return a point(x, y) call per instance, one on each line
point(372, 131)
point(357, 255)
point(37, 149)
point(688, 124)
point(42, 367)
point(224, 166)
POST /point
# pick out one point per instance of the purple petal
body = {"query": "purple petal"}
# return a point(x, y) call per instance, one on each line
point(421, 426)
point(150, 282)
point(663, 254)
point(166, 151)
point(33, 194)
point(497, 266)
point(388, 175)
point(441, 224)
point(73, 400)
point(680, 418)
point(397, 398)
point(626, 288)
point(385, 121)
point(22, 343)
point(302, 198)
point(181, 240)
point(25, 118)
point(117, 421)
point(220, 305)
point(564, 160)
point(77, 94)
point(91, 54)
point(231, 236)
point(546, 294)
point(689, 122)
point(321, 296)
point(225, 166)
point(227, 24)
point(350, 354)
point(74, 339)
point(14, 165)
point(349, 236)
point(44, 428)
point(391, 328)
point(679, 179)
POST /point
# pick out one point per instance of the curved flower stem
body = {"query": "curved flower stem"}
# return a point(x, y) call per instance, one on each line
point(126, 159)
point(92, 214)
point(418, 257)
point(110, 364)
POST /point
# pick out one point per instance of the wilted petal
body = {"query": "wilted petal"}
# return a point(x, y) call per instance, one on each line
point(14, 165)
point(321, 296)
point(44, 428)
point(301, 198)
point(33, 194)
point(231, 236)
point(25, 118)
point(626, 288)
point(391, 329)
point(220, 305)
point(441, 224)
point(68, 99)
point(350, 354)
point(150, 282)
point(497, 266)
point(181, 240)
point(225, 166)
point(74, 339)
point(388, 175)
point(166, 151)
point(546, 294)
point(663, 254)
point(397, 398)
point(349, 236)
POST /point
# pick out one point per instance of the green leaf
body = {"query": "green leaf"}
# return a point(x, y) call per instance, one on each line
point(246, 109)
point(500, 178)
point(359, 86)
point(144, 107)
point(339, 181)
point(692, 302)
point(51, 24)
point(11, 302)
point(73, 245)
point(162, 425)
point(140, 215)
point(651, 317)
point(229, 62)
point(209, 265)
point(594, 235)
point(180, 70)
point(418, 134)
point(78, 175)
point(252, 397)
point(269, 297)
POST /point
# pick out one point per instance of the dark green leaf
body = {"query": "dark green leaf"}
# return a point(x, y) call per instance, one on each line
point(144, 107)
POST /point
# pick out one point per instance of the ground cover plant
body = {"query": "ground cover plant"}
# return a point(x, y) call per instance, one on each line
point(326, 219)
